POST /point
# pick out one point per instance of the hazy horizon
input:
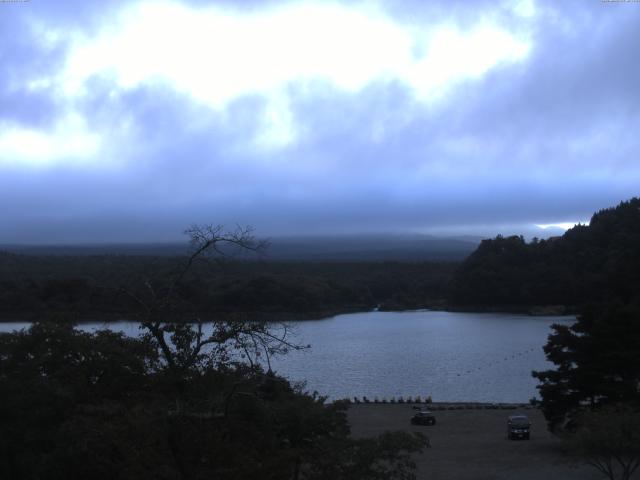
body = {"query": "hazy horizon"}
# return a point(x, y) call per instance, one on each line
point(528, 234)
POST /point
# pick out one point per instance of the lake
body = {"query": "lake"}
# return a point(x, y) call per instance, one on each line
point(450, 356)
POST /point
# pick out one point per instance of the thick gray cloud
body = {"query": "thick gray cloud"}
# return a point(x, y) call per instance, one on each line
point(546, 139)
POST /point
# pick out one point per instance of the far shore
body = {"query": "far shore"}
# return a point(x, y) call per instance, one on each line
point(102, 317)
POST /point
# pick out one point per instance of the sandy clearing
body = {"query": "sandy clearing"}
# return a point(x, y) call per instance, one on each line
point(472, 444)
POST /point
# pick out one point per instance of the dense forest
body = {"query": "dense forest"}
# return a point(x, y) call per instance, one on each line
point(599, 262)
point(87, 286)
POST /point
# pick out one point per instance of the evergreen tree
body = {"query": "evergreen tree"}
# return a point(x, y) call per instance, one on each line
point(597, 363)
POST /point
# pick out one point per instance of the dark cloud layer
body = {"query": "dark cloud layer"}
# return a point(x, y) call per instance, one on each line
point(544, 140)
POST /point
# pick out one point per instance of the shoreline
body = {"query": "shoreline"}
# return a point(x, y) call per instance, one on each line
point(103, 317)
point(273, 317)
point(443, 405)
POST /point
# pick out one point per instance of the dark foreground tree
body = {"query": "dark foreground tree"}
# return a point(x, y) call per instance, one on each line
point(103, 406)
point(182, 401)
point(609, 440)
point(597, 363)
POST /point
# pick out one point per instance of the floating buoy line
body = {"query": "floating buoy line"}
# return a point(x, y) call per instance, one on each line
point(498, 362)
point(448, 405)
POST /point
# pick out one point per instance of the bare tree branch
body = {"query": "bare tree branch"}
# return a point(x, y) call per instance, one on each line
point(184, 347)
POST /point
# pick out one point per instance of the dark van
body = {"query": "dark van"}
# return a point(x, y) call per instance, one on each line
point(423, 417)
point(518, 426)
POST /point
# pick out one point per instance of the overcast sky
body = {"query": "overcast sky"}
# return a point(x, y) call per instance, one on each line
point(129, 121)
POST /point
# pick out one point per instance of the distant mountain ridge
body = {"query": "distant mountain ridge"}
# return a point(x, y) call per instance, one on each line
point(296, 248)
point(371, 248)
point(146, 249)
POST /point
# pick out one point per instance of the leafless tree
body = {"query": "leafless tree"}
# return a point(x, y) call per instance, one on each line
point(185, 345)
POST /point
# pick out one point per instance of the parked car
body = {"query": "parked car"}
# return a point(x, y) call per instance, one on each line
point(423, 417)
point(518, 426)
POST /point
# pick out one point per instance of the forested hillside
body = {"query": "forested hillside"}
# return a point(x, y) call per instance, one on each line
point(594, 263)
point(89, 286)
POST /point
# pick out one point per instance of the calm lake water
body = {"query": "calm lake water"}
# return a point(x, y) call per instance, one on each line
point(450, 356)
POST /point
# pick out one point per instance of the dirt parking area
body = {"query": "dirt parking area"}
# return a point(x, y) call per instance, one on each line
point(472, 444)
